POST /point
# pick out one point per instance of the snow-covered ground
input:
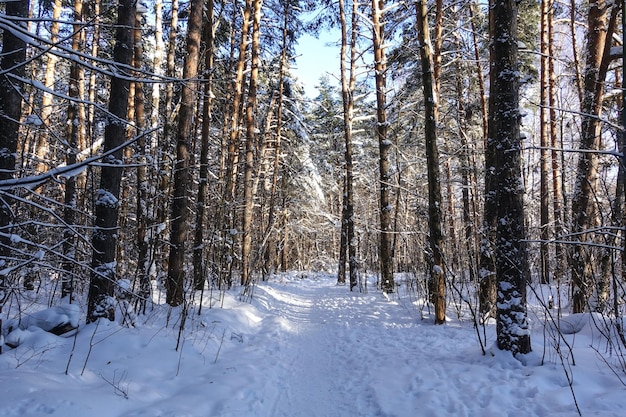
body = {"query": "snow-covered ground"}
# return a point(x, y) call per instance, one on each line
point(303, 347)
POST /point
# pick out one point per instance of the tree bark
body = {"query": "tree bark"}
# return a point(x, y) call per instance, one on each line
point(104, 241)
point(435, 238)
point(513, 332)
point(584, 209)
point(487, 262)
point(143, 181)
point(73, 140)
point(251, 106)
point(42, 147)
point(184, 138)
point(348, 238)
point(544, 142)
point(12, 61)
point(199, 250)
point(384, 145)
point(557, 187)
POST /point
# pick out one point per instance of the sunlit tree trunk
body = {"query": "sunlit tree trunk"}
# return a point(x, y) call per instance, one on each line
point(182, 177)
point(95, 46)
point(276, 169)
point(487, 263)
point(384, 145)
point(584, 210)
point(251, 107)
point(227, 216)
point(437, 267)
point(165, 149)
point(513, 333)
point(42, 147)
point(544, 143)
point(557, 188)
point(104, 241)
point(573, 24)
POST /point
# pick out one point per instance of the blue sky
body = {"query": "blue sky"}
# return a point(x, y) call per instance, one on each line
point(316, 58)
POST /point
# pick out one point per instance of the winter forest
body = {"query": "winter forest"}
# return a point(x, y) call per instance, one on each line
point(161, 167)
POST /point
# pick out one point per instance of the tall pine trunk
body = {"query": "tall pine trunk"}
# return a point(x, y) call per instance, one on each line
point(437, 267)
point(348, 236)
point(385, 251)
point(584, 208)
point(504, 135)
point(184, 138)
point(199, 250)
point(73, 140)
point(104, 240)
point(251, 106)
point(12, 58)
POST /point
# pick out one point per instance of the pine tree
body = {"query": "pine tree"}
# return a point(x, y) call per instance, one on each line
point(504, 135)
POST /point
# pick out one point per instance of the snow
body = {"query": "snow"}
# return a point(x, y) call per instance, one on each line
point(303, 346)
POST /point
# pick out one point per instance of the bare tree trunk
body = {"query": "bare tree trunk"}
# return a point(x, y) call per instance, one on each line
point(165, 150)
point(557, 189)
point(437, 267)
point(104, 241)
point(95, 43)
point(576, 60)
point(487, 262)
point(184, 137)
point(42, 147)
point(12, 60)
point(384, 144)
point(584, 209)
point(143, 182)
point(199, 261)
point(544, 142)
point(227, 217)
point(504, 124)
point(249, 192)
point(348, 237)
point(479, 71)
point(284, 62)
point(73, 139)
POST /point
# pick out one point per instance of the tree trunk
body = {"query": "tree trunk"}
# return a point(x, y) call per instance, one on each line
point(227, 215)
point(104, 241)
point(348, 238)
point(584, 209)
point(504, 132)
point(544, 142)
point(557, 188)
point(487, 262)
point(384, 145)
point(249, 192)
point(143, 182)
point(12, 62)
point(199, 250)
point(284, 63)
point(437, 267)
point(573, 24)
point(73, 139)
point(184, 137)
point(42, 147)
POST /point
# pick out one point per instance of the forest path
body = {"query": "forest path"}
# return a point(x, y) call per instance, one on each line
point(336, 353)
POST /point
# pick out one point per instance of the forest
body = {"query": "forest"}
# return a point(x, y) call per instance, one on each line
point(155, 152)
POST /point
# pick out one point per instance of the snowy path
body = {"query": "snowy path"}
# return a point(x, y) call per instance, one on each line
point(331, 353)
point(302, 348)
point(337, 354)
